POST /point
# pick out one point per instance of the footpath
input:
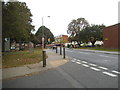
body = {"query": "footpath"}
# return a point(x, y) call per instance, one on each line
point(53, 60)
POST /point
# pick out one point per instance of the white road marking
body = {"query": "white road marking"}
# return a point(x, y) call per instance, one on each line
point(92, 64)
point(106, 56)
point(116, 72)
point(103, 56)
point(103, 68)
point(96, 69)
point(73, 60)
point(85, 65)
point(84, 62)
point(110, 74)
point(78, 60)
point(78, 63)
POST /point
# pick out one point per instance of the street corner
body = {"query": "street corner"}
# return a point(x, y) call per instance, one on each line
point(67, 58)
point(57, 63)
point(34, 66)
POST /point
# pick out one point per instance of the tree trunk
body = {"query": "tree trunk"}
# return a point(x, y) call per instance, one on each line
point(93, 43)
point(11, 41)
point(79, 44)
point(20, 44)
point(3, 44)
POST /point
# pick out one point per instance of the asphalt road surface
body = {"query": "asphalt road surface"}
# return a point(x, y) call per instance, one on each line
point(84, 70)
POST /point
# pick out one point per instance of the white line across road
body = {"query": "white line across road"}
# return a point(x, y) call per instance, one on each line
point(92, 64)
point(109, 74)
point(78, 60)
point(85, 65)
point(116, 72)
point(104, 70)
point(73, 60)
point(96, 69)
point(84, 62)
point(78, 63)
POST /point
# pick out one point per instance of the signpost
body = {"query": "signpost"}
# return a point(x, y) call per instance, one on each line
point(43, 42)
point(43, 52)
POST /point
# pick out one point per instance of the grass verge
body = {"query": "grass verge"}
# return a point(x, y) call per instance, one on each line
point(20, 58)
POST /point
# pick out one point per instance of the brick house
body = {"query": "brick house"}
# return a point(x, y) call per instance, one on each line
point(110, 35)
point(65, 38)
point(62, 38)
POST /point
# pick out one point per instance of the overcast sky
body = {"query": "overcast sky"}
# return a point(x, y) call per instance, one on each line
point(61, 12)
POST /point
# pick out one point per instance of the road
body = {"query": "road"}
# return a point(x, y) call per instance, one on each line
point(100, 59)
point(100, 67)
point(84, 70)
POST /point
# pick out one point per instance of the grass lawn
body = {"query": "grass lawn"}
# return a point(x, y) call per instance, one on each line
point(20, 58)
point(100, 48)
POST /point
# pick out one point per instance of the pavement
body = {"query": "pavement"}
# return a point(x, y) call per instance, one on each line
point(54, 60)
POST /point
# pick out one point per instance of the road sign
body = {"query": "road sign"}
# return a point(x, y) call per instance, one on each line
point(48, 39)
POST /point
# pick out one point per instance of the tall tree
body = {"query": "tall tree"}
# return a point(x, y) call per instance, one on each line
point(75, 26)
point(16, 18)
point(92, 34)
point(44, 31)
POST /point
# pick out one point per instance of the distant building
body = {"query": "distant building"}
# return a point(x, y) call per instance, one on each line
point(61, 38)
point(110, 35)
point(65, 38)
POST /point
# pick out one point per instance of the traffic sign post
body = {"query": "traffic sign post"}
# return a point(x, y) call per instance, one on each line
point(43, 42)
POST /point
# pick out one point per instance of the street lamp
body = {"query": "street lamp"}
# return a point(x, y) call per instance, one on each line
point(43, 38)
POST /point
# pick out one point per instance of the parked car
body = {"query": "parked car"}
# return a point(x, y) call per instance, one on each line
point(12, 47)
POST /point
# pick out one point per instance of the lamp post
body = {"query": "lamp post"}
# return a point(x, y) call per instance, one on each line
point(43, 37)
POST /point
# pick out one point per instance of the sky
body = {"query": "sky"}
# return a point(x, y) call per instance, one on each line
point(62, 12)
